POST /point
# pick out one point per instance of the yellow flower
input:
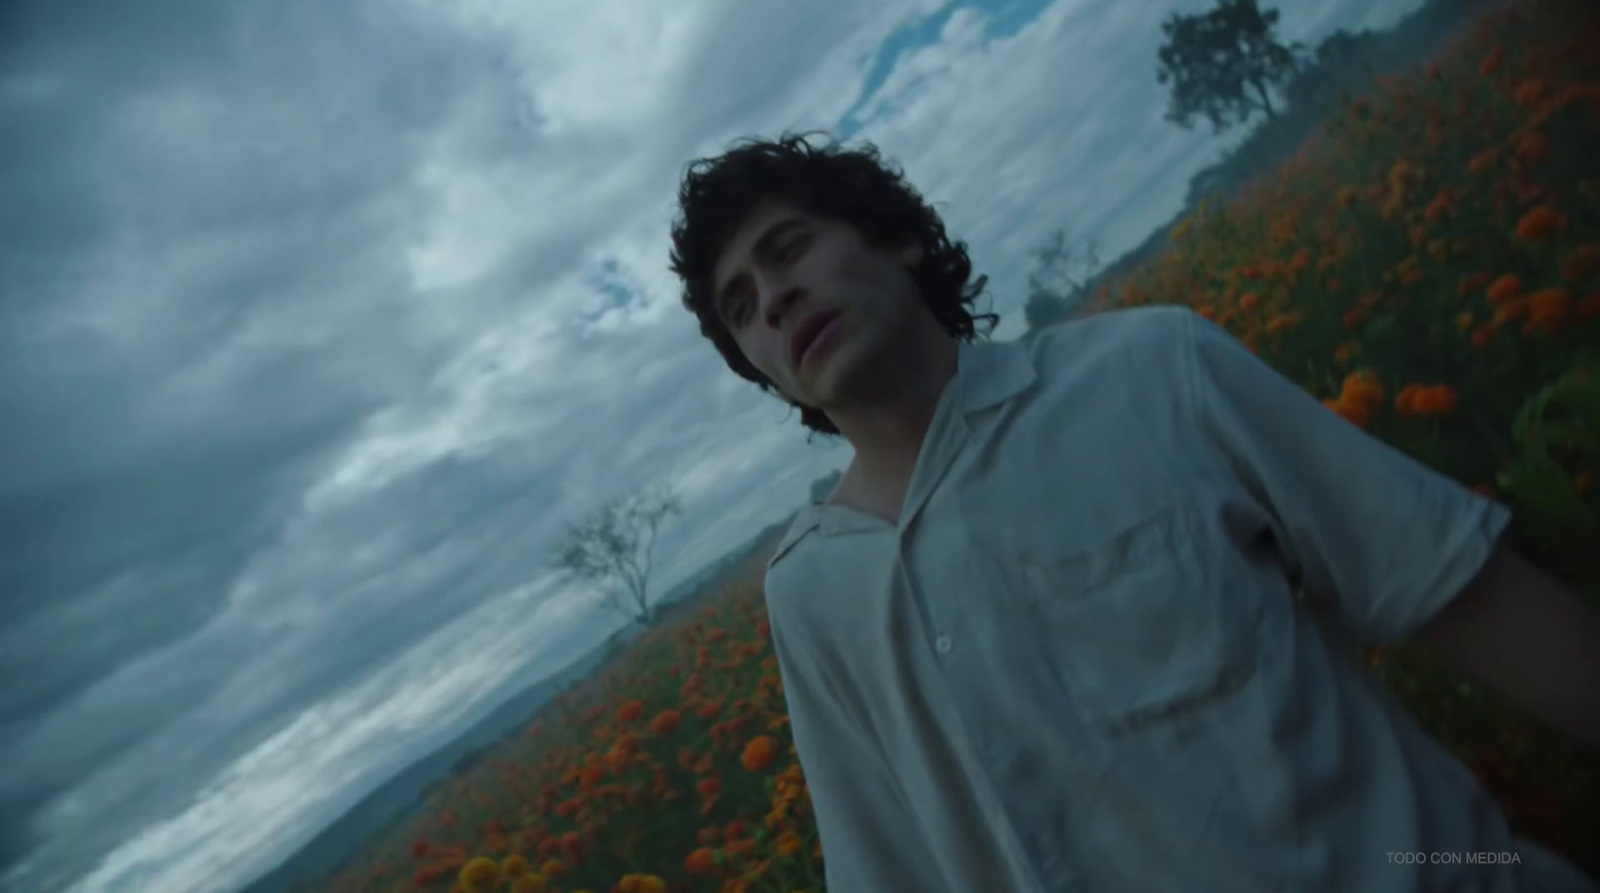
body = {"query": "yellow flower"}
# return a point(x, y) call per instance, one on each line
point(641, 883)
point(478, 873)
point(788, 843)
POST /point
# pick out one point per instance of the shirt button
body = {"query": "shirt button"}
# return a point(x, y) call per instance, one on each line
point(942, 644)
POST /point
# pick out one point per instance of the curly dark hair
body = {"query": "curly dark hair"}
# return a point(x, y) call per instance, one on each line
point(831, 183)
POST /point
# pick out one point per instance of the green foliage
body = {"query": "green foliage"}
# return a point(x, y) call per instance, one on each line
point(1563, 418)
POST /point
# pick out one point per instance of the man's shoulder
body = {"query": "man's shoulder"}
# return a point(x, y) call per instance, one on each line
point(1150, 337)
point(1113, 327)
point(805, 521)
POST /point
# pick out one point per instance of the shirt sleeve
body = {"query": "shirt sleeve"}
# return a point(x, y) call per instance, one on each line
point(1385, 539)
point(868, 835)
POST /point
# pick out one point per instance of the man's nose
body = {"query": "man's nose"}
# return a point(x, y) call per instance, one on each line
point(776, 298)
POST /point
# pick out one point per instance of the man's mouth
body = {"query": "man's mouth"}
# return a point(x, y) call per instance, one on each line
point(809, 332)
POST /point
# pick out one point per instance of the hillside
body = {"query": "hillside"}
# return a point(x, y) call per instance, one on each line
point(408, 788)
point(1344, 65)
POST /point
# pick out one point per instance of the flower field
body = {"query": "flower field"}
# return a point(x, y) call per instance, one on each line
point(1428, 265)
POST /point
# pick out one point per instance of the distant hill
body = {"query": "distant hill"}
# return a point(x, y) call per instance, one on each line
point(407, 790)
point(1344, 65)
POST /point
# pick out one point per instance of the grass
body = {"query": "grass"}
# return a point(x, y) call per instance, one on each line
point(1428, 265)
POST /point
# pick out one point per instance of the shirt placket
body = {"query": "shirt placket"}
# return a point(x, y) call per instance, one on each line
point(982, 742)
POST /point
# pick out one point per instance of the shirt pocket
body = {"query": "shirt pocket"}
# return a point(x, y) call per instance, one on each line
point(1133, 623)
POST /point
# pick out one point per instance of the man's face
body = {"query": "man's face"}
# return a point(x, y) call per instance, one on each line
point(783, 271)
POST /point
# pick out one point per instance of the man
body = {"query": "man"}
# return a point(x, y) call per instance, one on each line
point(1042, 636)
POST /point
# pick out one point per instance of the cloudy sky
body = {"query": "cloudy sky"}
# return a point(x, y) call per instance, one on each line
point(319, 320)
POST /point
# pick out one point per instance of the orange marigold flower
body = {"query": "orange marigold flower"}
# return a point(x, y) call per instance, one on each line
point(1249, 301)
point(1516, 308)
point(1483, 335)
point(739, 847)
point(701, 861)
point(1355, 413)
point(666, 722)
point(553, 868)
point(1283, 321)
point(788, 843)
point(1533, 147)
point(1361, 387)
point(1465, 320)
point(1491, 62)
point(759, 753)
point(1505, 288)
point(1483, 161)
point(1550, 302)
point(1418, 399)
point(1440, 206)
point(532, 882)
point(1346, 351)
point(1530, 92)
point(630, 711)
point(1440, 400)
point(1539, 223)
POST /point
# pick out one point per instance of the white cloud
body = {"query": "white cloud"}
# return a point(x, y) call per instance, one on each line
point(271, 795)
point(378, 301)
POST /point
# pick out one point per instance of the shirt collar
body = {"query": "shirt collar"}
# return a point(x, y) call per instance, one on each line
point(987, 373)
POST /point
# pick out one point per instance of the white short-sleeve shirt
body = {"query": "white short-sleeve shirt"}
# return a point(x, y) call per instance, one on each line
point(1076, 663)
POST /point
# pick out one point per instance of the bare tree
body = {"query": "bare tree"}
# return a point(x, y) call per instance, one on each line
point(606, 549)
point(1061, 279)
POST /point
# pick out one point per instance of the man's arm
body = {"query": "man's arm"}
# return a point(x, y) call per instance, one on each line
point(1398, 550)
point(1520, 632)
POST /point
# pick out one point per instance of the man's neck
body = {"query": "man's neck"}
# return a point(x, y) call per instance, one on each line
point(888, 434)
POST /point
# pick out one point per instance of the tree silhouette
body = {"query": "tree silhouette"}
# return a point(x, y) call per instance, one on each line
point(605, 549)
point(1340, 67)
point(1220, 64)
point(1060, 283)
